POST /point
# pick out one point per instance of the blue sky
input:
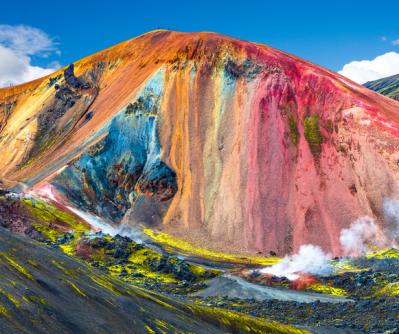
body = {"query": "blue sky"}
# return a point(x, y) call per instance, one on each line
point(329, 33)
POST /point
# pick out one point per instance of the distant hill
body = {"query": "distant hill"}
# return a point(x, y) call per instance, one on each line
point(386, 86)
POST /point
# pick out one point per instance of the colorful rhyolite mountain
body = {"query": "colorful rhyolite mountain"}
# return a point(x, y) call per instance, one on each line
point(386, 86)
point(233, 144)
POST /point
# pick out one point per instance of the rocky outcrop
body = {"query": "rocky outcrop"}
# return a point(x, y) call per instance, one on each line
point(125, 165)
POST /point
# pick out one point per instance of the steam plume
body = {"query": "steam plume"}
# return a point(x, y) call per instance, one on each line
point(391, 211)
point(99, 224)
point(361, 234)
point(310, 259)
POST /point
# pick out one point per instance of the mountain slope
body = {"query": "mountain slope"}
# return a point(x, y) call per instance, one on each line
point(231, 144)
point(387, 86)
point(45, 291)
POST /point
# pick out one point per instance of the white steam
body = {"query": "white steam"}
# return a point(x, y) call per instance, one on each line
point(364, 232)
point(310, 259)
point(99, 224)
point(359, 236)
point(356, 240)
point(391, 211)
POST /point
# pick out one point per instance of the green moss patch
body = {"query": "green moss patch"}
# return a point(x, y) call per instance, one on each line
point(294, 134)
point(312, 134)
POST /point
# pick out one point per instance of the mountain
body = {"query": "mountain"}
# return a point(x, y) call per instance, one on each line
point(386, 86)
point(230, 144)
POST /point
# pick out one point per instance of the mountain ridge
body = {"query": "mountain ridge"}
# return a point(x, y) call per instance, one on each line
point(388, 86)
point(198, 132)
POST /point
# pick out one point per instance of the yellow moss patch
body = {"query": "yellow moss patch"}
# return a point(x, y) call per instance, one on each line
point(140, 259)
point(115, 269)
point(161, 323)
point(172, 243)
point(4, 311)
point(49, 232)
point(76, 289)
point(390, 289)
point(37, 299)
point(33, 263)
point(106, 284)
point(17, 266)
point(141, 255)
point(234, 320)
point(161, 277)
point(346, 266)
point(60, 267)
point(69, 248)
point(12, 283)
point(391, 253)
point(199, 271)
point(11, 298)
point(48, 213)
point(151, 296)
point(149, 330)
point(328, 290)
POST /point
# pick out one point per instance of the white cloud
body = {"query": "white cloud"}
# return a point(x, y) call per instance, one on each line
point(395, 42)
point(18, 44)
point(368, 70)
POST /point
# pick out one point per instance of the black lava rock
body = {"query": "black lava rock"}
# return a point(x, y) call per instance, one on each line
point(65, 238)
